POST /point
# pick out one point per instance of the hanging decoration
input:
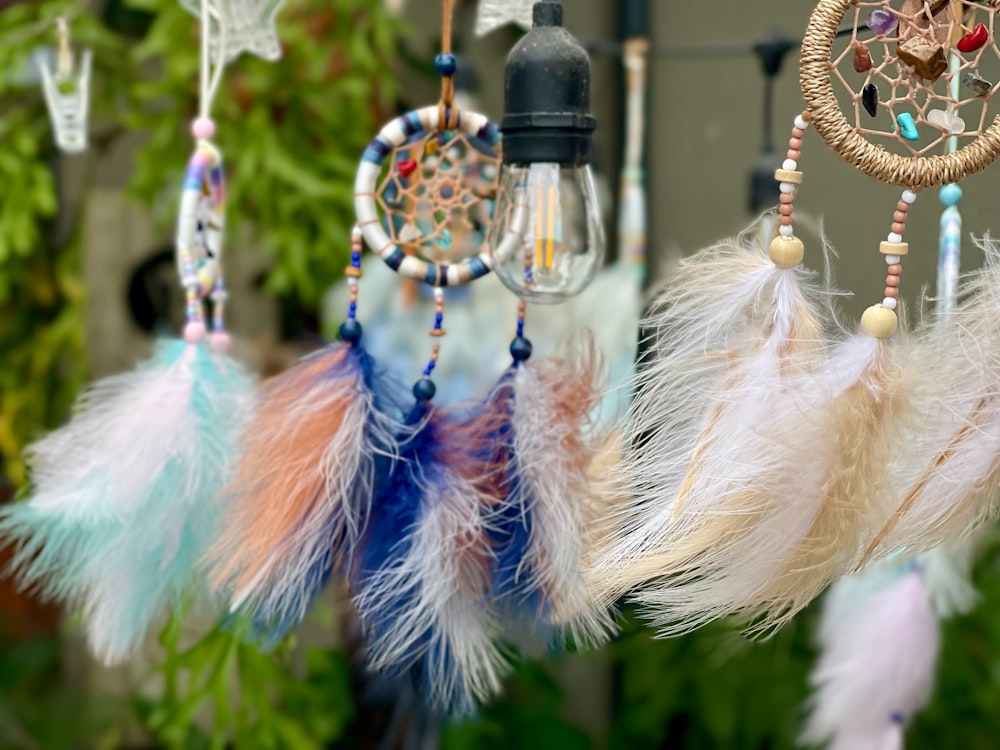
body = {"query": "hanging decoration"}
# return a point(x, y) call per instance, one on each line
point(764, 451)
point(460, 529)
point(240, 26)
point(67, 91)
point(123, 502)
point(496, 13)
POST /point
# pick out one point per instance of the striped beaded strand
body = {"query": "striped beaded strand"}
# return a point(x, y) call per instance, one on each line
point(194, 330)
point(220, 339)
point(350, 329)
point(881, 320)
point(786, 250)
point(424, 389)
point(521, 347)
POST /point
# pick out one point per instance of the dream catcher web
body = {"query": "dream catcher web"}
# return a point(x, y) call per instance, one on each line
point(436, 194)
point(906, 96)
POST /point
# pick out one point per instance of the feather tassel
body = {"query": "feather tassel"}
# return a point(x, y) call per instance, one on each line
point(324, 434)
point(544, 447)
point(124, 499)
point(421, 580)
point(947, 481)
point(715, 508)
point(880, 640)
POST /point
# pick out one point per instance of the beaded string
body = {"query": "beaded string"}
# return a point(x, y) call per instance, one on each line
point(445, 64)
point(787, 250)
point(350, 330)
point(880, 321)
point(521, 347)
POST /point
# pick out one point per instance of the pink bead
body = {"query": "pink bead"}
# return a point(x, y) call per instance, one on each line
point(891, 281)
point(787, 198)
point(895, 269)
point(898, 227)
point(220, 341)
point(785, 221)
point(903, 206)
point(795, 144)
point(798, 133)
point(899, 216)
point(203, 129)
point(785, 209)
point(891, 291)
point(194, 332)
point(794, 154)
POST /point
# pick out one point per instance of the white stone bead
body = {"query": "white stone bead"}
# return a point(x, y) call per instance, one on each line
point(790, 164)
point(786, 231)
point(356, 232)
point(352, 282)
point(800, 122)
point(891, 260)
point(895, 237)
point(890, 302)
point(909, 196)
point(786, 187)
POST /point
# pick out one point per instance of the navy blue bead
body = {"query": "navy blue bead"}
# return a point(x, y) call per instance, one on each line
point(350, 331)
point(445, 64)
point(424, 389)
point(520, 349)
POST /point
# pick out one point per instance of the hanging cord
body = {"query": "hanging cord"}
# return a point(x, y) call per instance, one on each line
point(445, 63)
point(211, 79)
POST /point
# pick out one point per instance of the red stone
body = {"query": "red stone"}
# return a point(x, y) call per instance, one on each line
point(406, 167)
point(975, 39)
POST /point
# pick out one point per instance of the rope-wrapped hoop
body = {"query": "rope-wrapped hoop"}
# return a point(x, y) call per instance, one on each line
point(200, 223)
point(395, 135)
point(858, 151)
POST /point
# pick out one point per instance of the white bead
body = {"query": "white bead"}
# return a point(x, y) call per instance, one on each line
point(356, 232)
point(352, 282)
point(895, 237)
point(800, 122)
point(790, 164)
point(909, 196)
point(891, 260)
point(786, 187)
point(438, 293)
point(890, 302)
point(786, 231)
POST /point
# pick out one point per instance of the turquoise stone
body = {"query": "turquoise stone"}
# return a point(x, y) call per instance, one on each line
point(907, 127)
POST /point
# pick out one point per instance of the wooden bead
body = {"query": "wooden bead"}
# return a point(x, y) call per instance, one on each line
point(898, 227)
point(792, 176)
point(352, 272)
point(892, 281)
point(879, 322)
point(437, 333)
point(786, 252)
point(895, 269)
point(891, 291)
point(894, 248)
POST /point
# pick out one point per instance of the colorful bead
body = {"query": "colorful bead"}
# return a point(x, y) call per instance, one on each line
point(520, 348)
point(881, 21)
point(907, 127)
point(350, 331)
point(406, 167)
point(445, 64)
point(975, 39)
point(862, 58)
point(950, 195)
point(203, 129)
point(869, 99)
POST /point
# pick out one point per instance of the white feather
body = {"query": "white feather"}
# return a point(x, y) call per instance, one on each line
point(880, 647)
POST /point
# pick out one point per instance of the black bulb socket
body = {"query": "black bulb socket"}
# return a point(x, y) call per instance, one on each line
point(547, 95)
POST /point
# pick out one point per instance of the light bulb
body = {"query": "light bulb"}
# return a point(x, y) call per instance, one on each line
point(546, 239)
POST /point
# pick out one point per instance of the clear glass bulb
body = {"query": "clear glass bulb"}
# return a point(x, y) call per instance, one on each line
point(546, 239)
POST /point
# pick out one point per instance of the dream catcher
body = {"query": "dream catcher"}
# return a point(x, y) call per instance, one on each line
point(459, 528)
point(765, 452)
point(123, 500)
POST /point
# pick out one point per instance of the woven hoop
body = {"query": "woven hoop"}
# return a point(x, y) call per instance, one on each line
point(203, 201)
point(858, 151)
point(395, 134)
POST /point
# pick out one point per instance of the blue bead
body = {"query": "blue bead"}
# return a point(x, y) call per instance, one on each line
point(951, 195)
point(445, 64)
point(350, 331)
point(424, 389)
point(520, 349)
